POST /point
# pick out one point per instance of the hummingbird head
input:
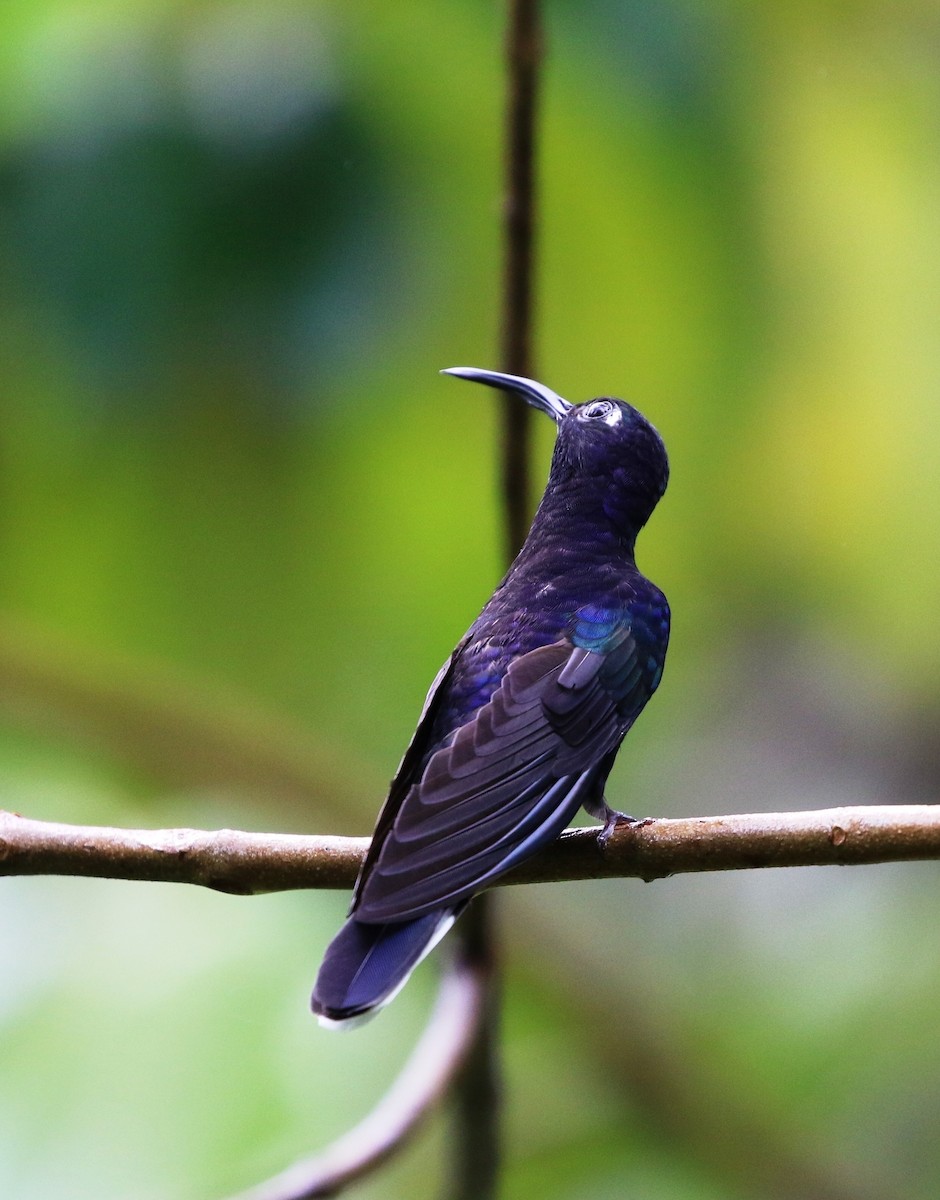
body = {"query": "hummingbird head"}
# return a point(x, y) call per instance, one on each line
point(606, 444)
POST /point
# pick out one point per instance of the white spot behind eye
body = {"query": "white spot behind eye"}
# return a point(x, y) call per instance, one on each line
point(602, 410)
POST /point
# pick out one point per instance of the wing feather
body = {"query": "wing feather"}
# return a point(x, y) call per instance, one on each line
point(510, 780)
point(414, 753)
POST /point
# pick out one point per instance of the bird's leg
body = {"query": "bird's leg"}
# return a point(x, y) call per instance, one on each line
point(612, 817)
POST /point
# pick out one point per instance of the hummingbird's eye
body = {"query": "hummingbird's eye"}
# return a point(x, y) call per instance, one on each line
point(601, 410)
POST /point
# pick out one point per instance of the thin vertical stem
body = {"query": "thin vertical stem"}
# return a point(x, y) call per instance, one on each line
point(523, 51)
point(475, 1155)
point(477, 1096)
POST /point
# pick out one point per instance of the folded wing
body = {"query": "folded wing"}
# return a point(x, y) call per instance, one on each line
point(510, 780)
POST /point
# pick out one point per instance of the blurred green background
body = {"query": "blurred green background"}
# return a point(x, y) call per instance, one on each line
point(243, 520)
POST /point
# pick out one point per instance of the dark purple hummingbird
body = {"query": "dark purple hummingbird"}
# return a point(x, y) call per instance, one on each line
point(522, 724)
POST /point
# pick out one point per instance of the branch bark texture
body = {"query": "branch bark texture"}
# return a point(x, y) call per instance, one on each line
point(249, 863)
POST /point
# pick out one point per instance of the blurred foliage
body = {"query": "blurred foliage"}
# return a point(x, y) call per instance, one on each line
point(242, 521)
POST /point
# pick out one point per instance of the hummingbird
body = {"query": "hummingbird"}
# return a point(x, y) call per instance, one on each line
point(521, 725)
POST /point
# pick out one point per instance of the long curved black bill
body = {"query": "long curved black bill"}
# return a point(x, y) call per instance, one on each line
point(534, 393)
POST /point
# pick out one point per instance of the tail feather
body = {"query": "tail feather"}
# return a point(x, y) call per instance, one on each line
point(365, 966)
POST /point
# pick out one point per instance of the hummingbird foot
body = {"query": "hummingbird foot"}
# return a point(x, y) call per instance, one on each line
point(612, 817)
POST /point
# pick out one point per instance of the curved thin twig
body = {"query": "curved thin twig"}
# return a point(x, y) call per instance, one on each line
point(423, 1083)
point(239, 863)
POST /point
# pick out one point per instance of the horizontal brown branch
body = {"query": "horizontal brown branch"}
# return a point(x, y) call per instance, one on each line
point(247, 863)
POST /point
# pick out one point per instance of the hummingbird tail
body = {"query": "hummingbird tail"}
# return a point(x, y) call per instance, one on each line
point(366, 966)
